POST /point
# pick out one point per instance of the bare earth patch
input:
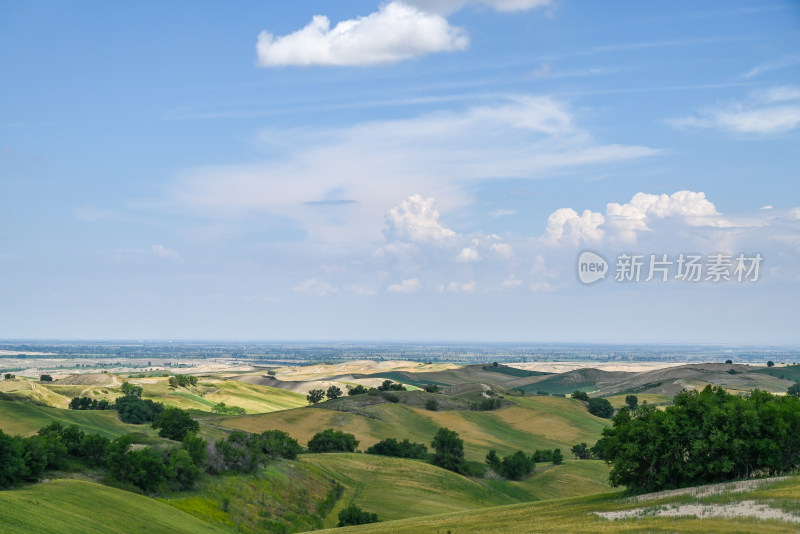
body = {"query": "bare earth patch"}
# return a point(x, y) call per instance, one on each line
point(703, 511)
point(709, 490)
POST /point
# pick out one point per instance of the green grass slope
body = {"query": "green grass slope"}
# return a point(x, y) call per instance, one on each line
point(284, 496)
point(397, 488)
point(532, 423)
point(69, 506)
point(752, 506)
point(25, 419)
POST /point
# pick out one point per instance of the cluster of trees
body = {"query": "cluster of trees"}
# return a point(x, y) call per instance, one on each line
point(153, 469)
point(316, 395)
point(704, 437)
point(357, 390)
point(794, 389)
point(135, 410)
point(582, 451)
point(130, 407)
point(244, 453)
point(182, 381)
point(331, 440)
point(88, 403)
point(45, 378)
point(399, 449)
point(388, 385)
point(149, 469)
point(222, 408)
point(599, 407)
point(516, 466)
point(546, 455)
point(353, 515)
point(9, 376)
point(430, 388)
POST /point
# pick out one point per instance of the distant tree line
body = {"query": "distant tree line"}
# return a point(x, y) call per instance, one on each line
point(182, 381)
point(704, 437)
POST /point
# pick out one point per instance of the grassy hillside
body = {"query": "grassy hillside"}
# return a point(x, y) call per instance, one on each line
point(751, 506)
point(68, 506)
point(25, 419)
point(397, 488)
point(533, 423)
point(209, 391)
point(285, 496)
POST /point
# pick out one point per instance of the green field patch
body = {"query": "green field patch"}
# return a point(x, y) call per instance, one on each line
point(26, 419)
point(69, 506)
point(283, 497)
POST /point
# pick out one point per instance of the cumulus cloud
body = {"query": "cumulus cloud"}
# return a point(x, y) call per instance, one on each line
point(566, 225)
point(417, 220)
point(165, 253)
point(623, 222)
point(504, 250)
point(395, 32)
point(772, 111)
point(411, 285)
point(468, 255)
point(315, 287)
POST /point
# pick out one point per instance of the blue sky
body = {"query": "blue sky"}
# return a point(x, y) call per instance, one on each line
point(427, 170)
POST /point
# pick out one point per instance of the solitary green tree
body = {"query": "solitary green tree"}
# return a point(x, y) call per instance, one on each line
point(175, 423)
point(449, 450)
point(333, 392)
point(632, 401)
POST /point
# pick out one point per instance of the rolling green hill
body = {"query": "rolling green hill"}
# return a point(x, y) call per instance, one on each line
point(25, 419)
point(284, 496)
point(397, 488)
point(751, 506)
point(532, 423)
point(68, 506)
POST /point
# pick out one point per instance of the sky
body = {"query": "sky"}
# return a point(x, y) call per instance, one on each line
point(408, 170)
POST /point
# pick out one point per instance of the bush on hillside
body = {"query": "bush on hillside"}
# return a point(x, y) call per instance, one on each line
point(331, 440)
point(399, 449)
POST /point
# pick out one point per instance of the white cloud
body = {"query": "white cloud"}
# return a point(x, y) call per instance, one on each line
point(393, 33)
point(315, 287)
point(165, 253)
point(623, 222)
point(779, 63)
point(468, 255)
point(767, 207)
point(411, 285)
point(455, 287)
point(503, 250)
point(566, 225)
point(772, 111)
point(416, 220)
point(366, 168)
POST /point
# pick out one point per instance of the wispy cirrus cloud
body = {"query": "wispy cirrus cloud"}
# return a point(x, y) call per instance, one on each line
point(772, 111)
point(338, 184)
